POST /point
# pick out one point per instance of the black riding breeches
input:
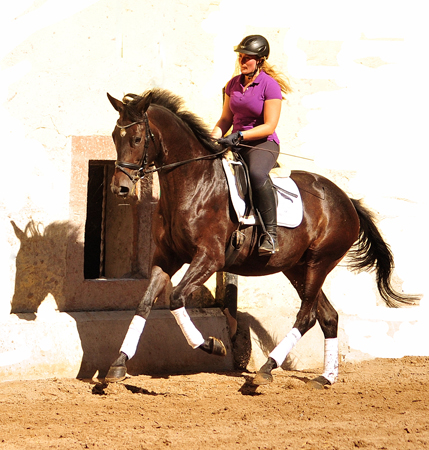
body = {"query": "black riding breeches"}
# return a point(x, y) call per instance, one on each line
point(260, 159)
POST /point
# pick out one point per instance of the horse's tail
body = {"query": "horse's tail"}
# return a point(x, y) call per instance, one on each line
point(371, 252)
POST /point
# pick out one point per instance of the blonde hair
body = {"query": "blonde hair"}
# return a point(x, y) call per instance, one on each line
point(271, 70)
point(282, 79)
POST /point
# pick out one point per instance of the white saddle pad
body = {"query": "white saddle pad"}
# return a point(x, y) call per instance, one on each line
point(289, 208)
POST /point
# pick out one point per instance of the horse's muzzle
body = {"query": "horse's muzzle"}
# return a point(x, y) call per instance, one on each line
point(120, 191)
point(121, 185)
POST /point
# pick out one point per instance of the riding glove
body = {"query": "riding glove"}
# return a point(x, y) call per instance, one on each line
point(232, 139)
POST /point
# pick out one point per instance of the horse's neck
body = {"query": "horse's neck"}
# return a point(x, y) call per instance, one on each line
point(179, 185)
point(178, 144)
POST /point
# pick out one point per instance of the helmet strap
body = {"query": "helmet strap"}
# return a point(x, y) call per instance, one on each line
point(258, 66)
point(251, 75)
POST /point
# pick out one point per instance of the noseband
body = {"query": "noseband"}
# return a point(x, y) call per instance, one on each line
point(139, 168)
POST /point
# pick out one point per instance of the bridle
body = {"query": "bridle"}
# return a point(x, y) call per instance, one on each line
point(141, 167)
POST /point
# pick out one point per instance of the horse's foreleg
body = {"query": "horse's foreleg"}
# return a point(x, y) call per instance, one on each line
point(232, 323)
point(189, 330)
point(194, 337)
point(157, 283)
point(198, 272)
point(229, 282)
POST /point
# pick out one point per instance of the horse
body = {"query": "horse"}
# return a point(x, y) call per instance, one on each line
point(194, 222)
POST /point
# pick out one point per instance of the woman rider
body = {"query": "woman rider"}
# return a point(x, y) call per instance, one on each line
point(252, 106)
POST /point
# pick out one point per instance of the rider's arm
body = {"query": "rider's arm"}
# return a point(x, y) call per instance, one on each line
point(225, 121)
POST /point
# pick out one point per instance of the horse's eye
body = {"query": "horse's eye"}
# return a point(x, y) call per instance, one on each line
point(138, 140)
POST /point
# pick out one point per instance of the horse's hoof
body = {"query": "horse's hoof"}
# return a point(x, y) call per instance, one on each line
point(318, 383)
point(262, 378)
point(213, 346)
point(115, 374)
point(217, 347)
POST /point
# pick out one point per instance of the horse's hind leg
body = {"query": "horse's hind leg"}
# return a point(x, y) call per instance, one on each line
point(306, 318)
point(308, 281)
point(157, 284)
point(328, 320)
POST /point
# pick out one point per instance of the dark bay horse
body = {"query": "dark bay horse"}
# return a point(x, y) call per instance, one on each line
point(193, 224)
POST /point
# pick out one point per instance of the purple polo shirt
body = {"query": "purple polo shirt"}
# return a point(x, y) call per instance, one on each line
point(248, 106)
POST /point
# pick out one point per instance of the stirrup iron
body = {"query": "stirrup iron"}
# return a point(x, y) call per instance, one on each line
point(269, 245)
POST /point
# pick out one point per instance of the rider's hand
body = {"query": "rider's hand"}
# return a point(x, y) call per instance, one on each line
point(231, 140)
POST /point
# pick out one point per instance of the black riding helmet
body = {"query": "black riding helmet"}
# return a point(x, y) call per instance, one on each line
point(254, 45)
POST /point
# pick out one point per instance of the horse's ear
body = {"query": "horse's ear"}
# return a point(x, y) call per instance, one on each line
point(18, 232)
point(117, 104)
point(144, 103)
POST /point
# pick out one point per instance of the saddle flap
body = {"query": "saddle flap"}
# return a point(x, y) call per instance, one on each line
point(240, 175)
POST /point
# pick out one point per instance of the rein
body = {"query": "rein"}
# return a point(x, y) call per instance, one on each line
point(180, 163)
point(141, 167)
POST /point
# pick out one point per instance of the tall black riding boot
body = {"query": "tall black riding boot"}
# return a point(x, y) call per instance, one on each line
point(266, 203)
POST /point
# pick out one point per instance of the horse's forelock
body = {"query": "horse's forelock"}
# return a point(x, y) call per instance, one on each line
point(136, 105)
point(128, 98)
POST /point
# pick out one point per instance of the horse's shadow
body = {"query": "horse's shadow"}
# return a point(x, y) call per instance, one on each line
point(243, 341)
point(40, 266)
point(41, 274)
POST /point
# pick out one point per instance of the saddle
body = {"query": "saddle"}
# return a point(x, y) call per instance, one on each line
point(289, 203)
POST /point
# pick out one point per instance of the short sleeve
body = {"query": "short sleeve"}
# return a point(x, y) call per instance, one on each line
point(273, 90)
point(231, 85)
point(228, 88)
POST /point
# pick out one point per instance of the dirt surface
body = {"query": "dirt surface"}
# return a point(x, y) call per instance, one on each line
point(379, 404)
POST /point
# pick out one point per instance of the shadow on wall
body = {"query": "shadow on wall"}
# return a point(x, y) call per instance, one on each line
point(41, 265)
point(243, 342)
point(40, 271)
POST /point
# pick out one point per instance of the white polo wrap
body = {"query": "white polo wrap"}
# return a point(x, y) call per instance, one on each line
point(129, 346)
point(192, 335)
point(280, 353)
point(331, 360)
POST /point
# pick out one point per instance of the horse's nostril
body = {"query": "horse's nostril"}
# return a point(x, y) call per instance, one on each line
point(123, 191)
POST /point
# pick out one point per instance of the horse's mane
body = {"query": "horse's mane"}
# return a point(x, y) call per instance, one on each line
point(175, 104)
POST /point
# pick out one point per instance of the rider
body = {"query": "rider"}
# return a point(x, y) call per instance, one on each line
point(252, 106)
